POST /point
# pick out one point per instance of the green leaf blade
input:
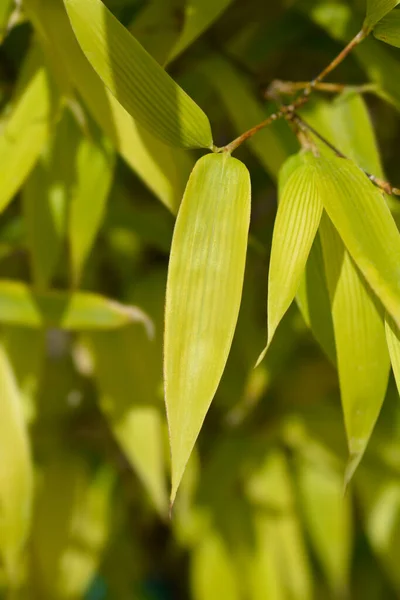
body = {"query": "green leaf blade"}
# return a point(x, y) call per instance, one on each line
point(20, 305)
point(376, 10)
point(388, 29)
point(296, 225)
point(203, 296)
point(138, 82)
point(364, 222)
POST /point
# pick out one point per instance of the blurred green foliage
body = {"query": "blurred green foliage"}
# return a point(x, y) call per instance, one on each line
point(88, 200)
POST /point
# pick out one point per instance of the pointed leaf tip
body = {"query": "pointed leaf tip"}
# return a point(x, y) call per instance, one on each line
point(204, 290)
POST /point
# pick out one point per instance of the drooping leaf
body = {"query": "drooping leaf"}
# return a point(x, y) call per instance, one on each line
point(16, 476)
point(299, 213)
point(162, 168)
point(20, 305)
point(376, 10)
point(365, 224)
point(94, 171)
point(127, 397)
point(379, 498)
point(357, 315)
point(279, 544)
point(71, 525)
point(24, 134)
point(313, 301)
point(388, 29)
point(206, 269)
point(393, 342)
point(327, 515)
point(138, 82)
point(25, 349)
point(46, 196)
point(362, 356)
point(213, 572)
point(199, 16)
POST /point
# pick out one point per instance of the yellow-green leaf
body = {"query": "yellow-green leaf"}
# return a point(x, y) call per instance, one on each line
point(45, 198)
point(204, 289)
point(94, 172)
point(296, 225)
point(393, 342)
point(24, 134)
point(376, 10)
point(199, 15)
point(71, 525)
point(163, 169)
point(362, 218)
point(21, 305)
point(362, 356)
point(327, 516)
point(213, 571)
point(138, 82)
point(5, 12)
point(313, 301)
point(16, 476)
point(128, 401)
point(388, 29)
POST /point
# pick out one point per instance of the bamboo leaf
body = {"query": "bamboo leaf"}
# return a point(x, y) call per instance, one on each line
point(199, 16)
point(388, 29)
point(20, 305)
point(206, 268)
point(393, 342)
point(16, 476)
point(362, 356)
point(71, 525)
point(24, 134)
point(376, 10)
point(213, 572)
point(5, 13)
point(94, 172)
point(162, 168)
point(138, 82)
point(45, 198)
point(128, 400)
point(313, 301)
point(327, 515)
point(296, 225)
point(363, 220)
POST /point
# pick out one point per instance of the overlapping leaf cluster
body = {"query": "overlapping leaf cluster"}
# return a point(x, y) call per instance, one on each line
point(140, 279)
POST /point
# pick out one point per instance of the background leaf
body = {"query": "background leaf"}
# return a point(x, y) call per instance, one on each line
point(127, 69)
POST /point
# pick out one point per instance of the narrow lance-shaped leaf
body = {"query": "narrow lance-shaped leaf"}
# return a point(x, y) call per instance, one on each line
point(94, 172)
point(20, 305)
point(24, 135)
point(388, 30)
point(296, 224)
point(16, 476)
point(376, 10)
point(204, 289)
point(199, 15)
point(327, 516)
point(393, 342)
point(45, 198)
point(143, 88)
point(362, 356)
point(362, 218)
point(127, 398)
point(163, 169)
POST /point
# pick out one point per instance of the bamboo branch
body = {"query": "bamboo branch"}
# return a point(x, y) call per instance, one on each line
point(380, 183)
